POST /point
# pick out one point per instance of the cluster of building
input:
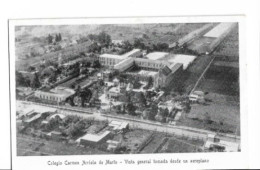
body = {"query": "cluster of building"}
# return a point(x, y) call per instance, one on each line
point(215, 143)
point(95, 139)
point(163, 67)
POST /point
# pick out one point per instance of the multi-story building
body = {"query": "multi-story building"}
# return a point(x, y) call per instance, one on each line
point(111, 60)
point(157, 65)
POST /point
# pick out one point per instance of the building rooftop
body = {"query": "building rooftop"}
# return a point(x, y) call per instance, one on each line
point(186, 60)
point(60, 115)
point(58, 91)
point(131, 52)
point(229, 146)
point(118, 125)
point(175, 66)
point(219, 29)
point(94, 137)
point(147, 73)
point(31, 119)
point(113, 56)
point(156, 55)
point(166, 70)
point(114, 90)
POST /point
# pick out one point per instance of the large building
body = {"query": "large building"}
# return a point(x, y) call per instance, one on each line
point(162, 67)
point(156, 55)
point(57, 94)
point(167, 74)
point(111, 60)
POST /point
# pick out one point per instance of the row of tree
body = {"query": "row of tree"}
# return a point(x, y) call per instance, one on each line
point(140, 43)
point(57, 38)
point(24, 81)
point(102, 38)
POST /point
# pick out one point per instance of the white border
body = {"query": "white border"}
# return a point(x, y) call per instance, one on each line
point(217, 160)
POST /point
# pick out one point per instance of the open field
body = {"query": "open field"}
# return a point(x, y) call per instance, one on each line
point(28, 146)
point(228, 114)
point(221, 80)
point(222, 105)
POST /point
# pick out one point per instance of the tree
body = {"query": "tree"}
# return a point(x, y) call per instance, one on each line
point(145, 114)
point(60, 38)
point(53, 77)
point(56, 38)
point(141, 99)
point(31, 69)
point(35, 83)
point(104, 38)
point(21, 80)
point(84, 94)
point(49, 39)
point(145, 36)
point(96, 64)
point(92, 37)
point(130, 108)
point(165, 112)
point(159, 118)
point(150, 82)
point(162, 46)
point(138, 43)
point(52, 124)
point(94, 47)
point(207, 118)
point(153, 111)
point(127, 45)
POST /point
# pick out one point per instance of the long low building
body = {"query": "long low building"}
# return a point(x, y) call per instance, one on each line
point(112, 59)
point(124, 64)
point(57, 94)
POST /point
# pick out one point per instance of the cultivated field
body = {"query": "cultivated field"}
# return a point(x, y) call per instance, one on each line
point(175, 145)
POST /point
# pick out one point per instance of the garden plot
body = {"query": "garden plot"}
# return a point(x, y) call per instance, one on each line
point(174, 145)
point(135, 138)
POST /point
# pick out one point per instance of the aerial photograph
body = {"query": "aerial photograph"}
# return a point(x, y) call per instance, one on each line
point(147, 88)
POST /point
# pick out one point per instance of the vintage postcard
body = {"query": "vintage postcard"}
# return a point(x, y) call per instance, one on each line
point(145, 90)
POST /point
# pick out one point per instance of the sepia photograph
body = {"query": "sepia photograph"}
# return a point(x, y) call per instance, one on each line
point(126, 88)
